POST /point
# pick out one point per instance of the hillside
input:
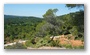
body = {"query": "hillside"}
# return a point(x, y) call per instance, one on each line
point(39, 30)
point(16, 27)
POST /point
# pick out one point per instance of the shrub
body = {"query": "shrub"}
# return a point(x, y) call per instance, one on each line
point(79, 47)
point(28, 43)
point(55, 43)
point(68, 46)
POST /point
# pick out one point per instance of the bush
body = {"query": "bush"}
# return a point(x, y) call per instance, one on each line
point(68, 46)
point(79, 47)
point(28, 43)
point(42, 42)
point(39, 42)
point(55, 43)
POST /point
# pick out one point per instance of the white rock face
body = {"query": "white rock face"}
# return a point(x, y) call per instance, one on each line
point(20, 41)
point(55, 37)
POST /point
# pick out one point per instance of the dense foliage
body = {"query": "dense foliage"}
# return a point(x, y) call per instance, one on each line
point(19, 28)
point(73, 23)
point(74, 5)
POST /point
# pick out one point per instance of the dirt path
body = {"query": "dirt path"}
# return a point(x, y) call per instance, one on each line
point(10, 44)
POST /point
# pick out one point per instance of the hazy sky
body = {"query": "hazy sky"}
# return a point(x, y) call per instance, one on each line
point(35, 9)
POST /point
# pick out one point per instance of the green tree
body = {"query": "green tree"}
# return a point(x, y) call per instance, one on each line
point(76, 21)
point(51, 18)
point(74, 5)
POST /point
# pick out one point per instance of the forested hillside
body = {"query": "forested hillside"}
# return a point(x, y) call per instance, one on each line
point(19, 27)
point(65, 31)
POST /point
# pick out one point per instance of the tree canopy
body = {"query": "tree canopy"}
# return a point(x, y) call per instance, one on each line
point(74, 5)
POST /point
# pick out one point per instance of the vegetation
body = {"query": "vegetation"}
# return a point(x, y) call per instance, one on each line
point(39, 30)
point(19, 28)
point(16, 46)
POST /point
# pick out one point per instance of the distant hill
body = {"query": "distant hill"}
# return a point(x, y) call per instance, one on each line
point(13, 16)
point(11, 19)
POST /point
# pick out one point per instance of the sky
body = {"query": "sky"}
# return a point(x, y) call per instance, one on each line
point(36, 10)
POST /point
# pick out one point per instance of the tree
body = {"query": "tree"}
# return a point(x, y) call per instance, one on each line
point(51, 18)
point(50, 24)
point(48, 13)
point(54, 11)
point(74, 5)
point(77, 21)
